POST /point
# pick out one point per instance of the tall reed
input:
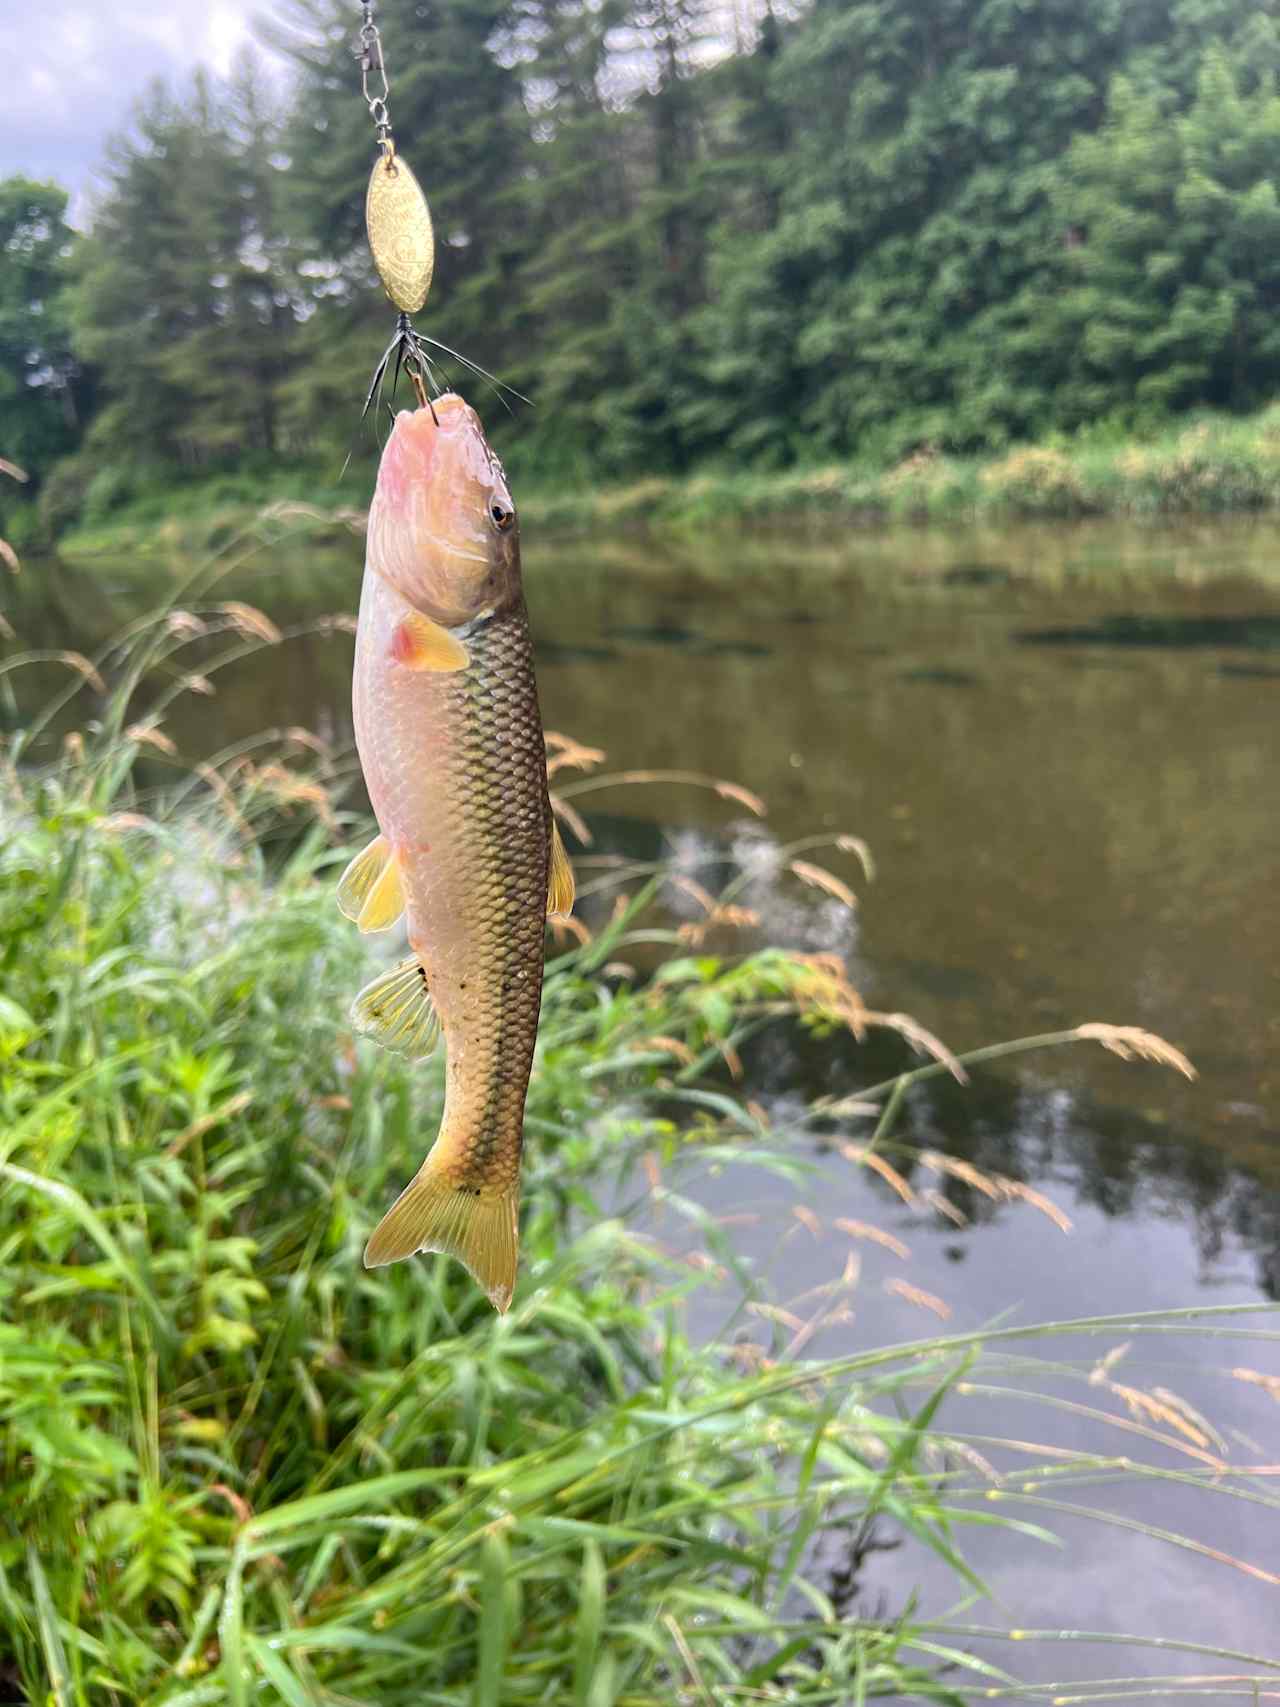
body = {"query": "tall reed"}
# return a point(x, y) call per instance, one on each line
point(238, 1468)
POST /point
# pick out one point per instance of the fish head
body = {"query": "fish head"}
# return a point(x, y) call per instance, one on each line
point(442, 526)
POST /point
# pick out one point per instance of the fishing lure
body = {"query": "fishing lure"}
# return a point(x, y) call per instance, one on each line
point(401, 238)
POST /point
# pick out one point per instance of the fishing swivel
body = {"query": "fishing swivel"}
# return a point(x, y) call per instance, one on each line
point(368, 53)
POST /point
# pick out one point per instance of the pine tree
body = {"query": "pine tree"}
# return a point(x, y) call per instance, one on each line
point(1174, 282)
point(40, 394)
point(178, 301)
point(688, 233)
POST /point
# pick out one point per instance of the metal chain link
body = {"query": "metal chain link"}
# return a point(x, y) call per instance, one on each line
point(369, 56)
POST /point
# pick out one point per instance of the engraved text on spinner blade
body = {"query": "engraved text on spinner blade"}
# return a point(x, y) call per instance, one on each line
point(400, 233)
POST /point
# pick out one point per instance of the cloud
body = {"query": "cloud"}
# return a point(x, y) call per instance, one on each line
point(76, 68)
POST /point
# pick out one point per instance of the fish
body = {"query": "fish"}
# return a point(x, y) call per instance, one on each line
point(450, 740)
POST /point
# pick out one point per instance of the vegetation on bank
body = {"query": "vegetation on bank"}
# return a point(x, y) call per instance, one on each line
point(832, 231)
point(1210, 465)
point(238, 1467)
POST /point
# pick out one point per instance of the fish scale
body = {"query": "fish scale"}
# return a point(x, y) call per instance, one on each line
point(498, 791)
point(450, 740)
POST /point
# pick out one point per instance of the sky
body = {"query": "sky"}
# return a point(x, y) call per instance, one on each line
point(75, 67)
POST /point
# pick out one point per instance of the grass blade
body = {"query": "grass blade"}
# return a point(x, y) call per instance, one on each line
point(55, 1655)
point(590, 1623)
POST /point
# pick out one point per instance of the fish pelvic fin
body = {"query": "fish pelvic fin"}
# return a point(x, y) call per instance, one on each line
point(477, 1226)
point(560, 884)
point(396, 1010)
point(369, 890)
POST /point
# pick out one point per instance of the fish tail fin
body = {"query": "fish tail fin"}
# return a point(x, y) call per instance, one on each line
point(435, 1213)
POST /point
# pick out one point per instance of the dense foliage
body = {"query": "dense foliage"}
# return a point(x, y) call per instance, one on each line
point(843, 229)
point(238, 1468)
point(38, 407)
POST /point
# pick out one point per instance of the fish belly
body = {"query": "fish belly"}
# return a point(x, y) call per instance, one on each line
point(456, 769)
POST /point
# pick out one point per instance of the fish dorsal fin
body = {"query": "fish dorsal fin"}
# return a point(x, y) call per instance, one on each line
point(369, 890)
point(560, 885)
point(396, 1010)
point(420, 644)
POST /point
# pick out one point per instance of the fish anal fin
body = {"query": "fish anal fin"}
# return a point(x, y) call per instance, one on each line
point(560, 884)
point(396, 1010)
point(420, 644)
point(435, 1213)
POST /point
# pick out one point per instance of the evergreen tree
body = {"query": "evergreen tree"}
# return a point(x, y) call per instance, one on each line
point(583, 249)
point(40, 399)
point(850, 227)
point(1175, 278)
point(177, 301)
point(915, 209)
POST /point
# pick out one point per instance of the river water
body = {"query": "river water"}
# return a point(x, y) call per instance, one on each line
point(1061, 745)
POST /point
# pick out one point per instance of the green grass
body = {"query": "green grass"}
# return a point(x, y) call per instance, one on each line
point(239, 1468)
point(1205, 465)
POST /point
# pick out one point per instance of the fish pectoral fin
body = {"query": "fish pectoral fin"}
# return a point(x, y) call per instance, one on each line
point(560, 884)
point(435, 1213)
point(396, 1010)
point(369, 890)
point(420, 644)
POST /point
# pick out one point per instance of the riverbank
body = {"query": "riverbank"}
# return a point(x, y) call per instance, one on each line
point(1209, 465)
point(241, 1465)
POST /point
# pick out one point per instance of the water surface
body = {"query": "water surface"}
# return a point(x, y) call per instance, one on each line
point(1060, 744)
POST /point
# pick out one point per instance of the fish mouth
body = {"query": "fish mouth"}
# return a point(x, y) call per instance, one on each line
point(415, 454)
point(442, 417)
point(433, 458)
point(411, 458)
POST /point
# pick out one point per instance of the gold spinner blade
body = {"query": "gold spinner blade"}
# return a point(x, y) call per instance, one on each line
point(401, 236)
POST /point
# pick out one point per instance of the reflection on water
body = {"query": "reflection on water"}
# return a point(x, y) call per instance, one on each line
point(1259, 632)
point(1061, 746)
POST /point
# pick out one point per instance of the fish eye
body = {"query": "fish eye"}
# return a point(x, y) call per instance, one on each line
point(501, 515)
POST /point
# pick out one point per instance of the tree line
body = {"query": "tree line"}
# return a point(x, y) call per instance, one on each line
point(769, 232)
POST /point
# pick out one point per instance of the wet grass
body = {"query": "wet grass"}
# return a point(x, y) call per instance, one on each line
point(238, 1468)
point(1209, 466)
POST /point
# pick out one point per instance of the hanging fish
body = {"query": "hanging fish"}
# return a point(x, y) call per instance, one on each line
point(450, 741)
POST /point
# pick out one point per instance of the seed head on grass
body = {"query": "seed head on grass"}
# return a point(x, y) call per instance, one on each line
point(961, 1170)
point(942, 1205)
point(1269, 1383)
point(249, 620)
point(921, 1040)
point(1019, 1191)
point(862, 1155)
point(185, 625)
point(1131, 1043)
point(819, 878)
point(564, 753)
point(918, 1296)
point(875, 1235)
point(147, 735)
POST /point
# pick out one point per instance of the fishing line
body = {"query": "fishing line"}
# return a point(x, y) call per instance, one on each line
point(402, 242)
